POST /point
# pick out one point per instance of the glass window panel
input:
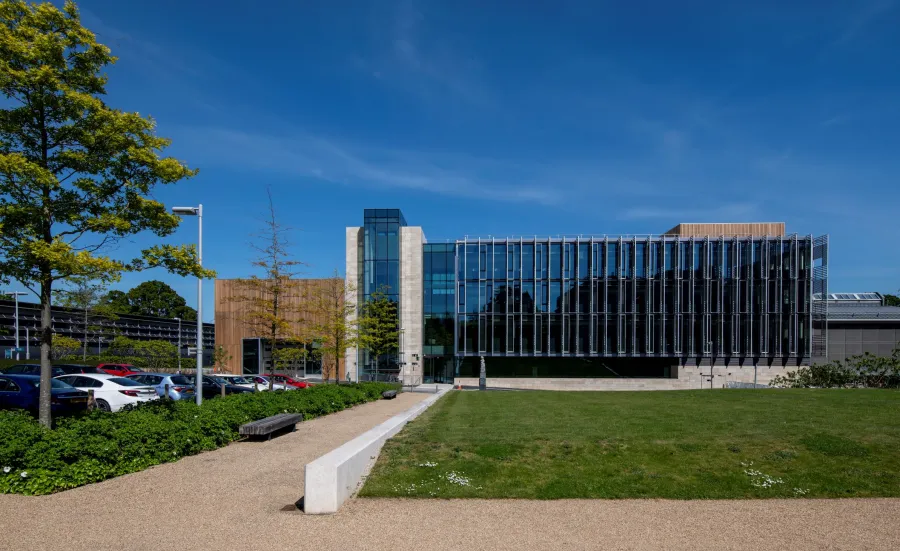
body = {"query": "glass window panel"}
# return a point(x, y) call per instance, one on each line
point(527, 261)
point(528, 298)
point(555, 260)
point(499, 261)
point(612, 261)
point(555, 346)
point(471, 261)
point(570, 260)
point(583, 260)
point(556, 297)
point(628, 258)
point(640, 259)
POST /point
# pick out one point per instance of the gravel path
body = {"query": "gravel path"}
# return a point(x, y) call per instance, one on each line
point(241, 497)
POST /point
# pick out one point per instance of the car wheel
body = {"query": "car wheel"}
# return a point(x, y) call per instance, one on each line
point(103, 405)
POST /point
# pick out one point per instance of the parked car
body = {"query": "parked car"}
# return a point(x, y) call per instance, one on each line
point(263, 383)
point(119, 370)
point(32, 369)
point(111, 393)
point(212, 386)
point(180, 387)
point(71, 369)
point(285, 380)
point(23, 392)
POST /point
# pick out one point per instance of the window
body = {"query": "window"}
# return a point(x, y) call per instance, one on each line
point(7, 385)
point(612, 261)
point(640, 259)
point(583, 260)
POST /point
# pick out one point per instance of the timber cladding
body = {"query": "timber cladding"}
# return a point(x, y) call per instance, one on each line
point(755, 229)
point(230, 312)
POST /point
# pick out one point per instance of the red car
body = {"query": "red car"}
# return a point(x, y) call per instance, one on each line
point(285, 380)
point(119, 370)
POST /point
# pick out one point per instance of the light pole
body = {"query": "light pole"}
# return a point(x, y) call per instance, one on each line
point(16, 295)
point(198, 212)
point(179, 344)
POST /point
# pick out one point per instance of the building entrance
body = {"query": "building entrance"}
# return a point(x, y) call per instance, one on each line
point(438, 369)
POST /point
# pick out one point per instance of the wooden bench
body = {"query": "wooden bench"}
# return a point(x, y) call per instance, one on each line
point(270, 425)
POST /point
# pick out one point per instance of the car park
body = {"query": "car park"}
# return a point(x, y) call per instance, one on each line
point(119, 370)
point(180, 387)
point(111, 393)
point(23, 392)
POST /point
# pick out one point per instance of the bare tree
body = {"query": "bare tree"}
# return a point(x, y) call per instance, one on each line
point(272, 299)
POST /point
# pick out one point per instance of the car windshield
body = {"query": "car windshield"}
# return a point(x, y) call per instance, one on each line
point(239, 380)
point(124, 382)
point(181, 380)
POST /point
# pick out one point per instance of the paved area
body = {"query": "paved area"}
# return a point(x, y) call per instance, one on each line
point(241, 497)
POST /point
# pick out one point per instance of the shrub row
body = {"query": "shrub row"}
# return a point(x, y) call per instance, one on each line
point(97, 445)
point(863, 371)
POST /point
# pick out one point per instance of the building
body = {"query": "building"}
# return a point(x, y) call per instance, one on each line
point(860, 323)
point(99, 332)
point(251, 353)
point(701, 302)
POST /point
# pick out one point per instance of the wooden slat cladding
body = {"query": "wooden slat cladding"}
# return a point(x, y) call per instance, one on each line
point(760, 229)
point(230, 329)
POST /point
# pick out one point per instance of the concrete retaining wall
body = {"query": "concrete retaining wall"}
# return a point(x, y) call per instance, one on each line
point(334, 477)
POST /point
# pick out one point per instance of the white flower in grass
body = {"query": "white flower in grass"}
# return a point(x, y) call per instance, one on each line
point(6, 470)
point(24, 474)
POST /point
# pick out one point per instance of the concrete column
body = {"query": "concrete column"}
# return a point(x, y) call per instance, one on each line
point(411, 302)
point(354, 290)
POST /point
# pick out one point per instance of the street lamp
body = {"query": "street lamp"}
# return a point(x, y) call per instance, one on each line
point(198, 212)
point(16, 295)
point(179, 344)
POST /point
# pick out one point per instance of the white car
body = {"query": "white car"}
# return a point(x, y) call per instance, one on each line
point(110, 392)
point(264, 382)
point(253, 382)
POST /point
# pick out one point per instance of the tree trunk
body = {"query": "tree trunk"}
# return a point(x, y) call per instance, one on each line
point(44, 415)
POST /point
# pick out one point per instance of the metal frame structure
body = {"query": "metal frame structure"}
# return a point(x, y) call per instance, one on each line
point(657, 296)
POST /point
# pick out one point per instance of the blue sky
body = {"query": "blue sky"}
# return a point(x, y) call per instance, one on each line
point(478, 118)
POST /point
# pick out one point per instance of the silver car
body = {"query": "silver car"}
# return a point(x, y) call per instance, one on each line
point(180, 387)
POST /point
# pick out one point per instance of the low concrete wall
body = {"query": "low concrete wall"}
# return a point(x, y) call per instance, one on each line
point(695, 377)
point(334, 477)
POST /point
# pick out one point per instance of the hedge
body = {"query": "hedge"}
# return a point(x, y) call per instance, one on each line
point(98, 445)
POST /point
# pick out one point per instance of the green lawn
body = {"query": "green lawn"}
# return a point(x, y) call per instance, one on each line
point(681, 445)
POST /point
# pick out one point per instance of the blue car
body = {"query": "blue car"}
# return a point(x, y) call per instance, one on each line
point(32, 369)
point(23, 392)
point(180, 387)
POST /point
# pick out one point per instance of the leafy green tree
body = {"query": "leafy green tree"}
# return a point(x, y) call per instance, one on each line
point(87, 296)
point(155, 298)
point(76, 176)
point(221, 357)
point(64, 347)
point(891, 300)
point(331, 325)
point(117, 301)
point(379, 326)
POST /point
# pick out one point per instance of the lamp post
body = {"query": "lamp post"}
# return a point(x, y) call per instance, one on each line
point(179, 344)
point(16, 295)
point(198, 212)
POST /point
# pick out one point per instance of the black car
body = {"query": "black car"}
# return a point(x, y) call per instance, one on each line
point(212, 387)
point(75, 369)
point(23, 392)
point(32, 369)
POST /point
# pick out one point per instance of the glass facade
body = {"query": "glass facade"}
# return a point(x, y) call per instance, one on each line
point(439, 268)
point(651, 297)
point(379, 258)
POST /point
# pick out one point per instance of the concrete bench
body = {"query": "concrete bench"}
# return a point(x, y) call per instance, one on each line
point(266, 427)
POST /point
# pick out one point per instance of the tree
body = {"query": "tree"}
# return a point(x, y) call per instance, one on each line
point(891, 300)
point(84, 295)
point(272, 300)
point(155, 298)
point(117, 301)
point(76, 176)
point(64, 347)
point(221, 357)
point(379, 327)
point(331, 321)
